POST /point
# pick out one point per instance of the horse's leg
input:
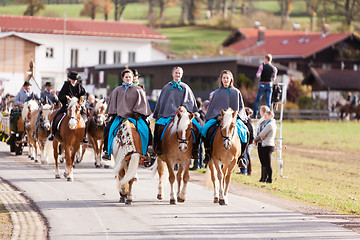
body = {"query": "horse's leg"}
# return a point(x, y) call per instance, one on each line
point(186, 177)
point(129, 199)
point(71, 160)
point(35, 150)
point(56, 155)
point(170, 167)
point(121, 188)
point(179, 179)
point(213, 179)
point(97, 153)
point(220, 179)
point(160, 170)
point(227, 179)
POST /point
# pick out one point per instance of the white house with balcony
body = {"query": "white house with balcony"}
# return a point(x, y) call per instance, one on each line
point(67, 43)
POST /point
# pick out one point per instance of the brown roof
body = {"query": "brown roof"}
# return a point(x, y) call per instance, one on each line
point(334, 79)
point(46, 25)
point(282, 43)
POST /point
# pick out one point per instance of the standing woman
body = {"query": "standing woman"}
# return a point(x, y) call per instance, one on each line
point(224, 97)
point(173, 95)
point(266, 145)
point(127, 101)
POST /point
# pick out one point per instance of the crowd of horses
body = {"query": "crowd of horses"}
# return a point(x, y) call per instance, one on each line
point(177, 146)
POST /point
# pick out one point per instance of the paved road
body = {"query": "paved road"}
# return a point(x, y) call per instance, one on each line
point(88, 208)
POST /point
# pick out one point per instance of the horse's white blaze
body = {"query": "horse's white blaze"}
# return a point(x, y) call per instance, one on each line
point(100, 111)
point(47, 110)
point(227, 119)
point(73, 121)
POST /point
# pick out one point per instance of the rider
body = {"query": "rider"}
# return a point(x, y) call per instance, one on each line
point(24, 95)
point(71, 88)
point(224, 97)
point(127, 101)
point(49, 93)
point(175, 94)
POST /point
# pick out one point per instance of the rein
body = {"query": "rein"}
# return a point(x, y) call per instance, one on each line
point(226, 137)
point(181, 140)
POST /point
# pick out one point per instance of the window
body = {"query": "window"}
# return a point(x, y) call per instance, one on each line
point(117, 57)
point(102, 57)
point(131, 57)
point(293, 65)
point(49, 52)
point(74, 57)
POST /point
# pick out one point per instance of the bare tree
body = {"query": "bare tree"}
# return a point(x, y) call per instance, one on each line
point(33, 6)
point(119, 9)
point(225, 8)
point(107, 5)
point(151, 15)
point(285, 8)
point(91, 7)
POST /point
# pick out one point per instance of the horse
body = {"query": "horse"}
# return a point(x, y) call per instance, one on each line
point(225, 153)
point(127, 154)
point(28, 108)
point(177, 147)
point(40, 129)
point(344, 108)
point(70, 134)
point(96, 128)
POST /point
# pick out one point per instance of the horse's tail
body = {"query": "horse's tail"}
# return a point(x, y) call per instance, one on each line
point(48, 149)
point(154, 168)
point(132, 168)
point(208, 184)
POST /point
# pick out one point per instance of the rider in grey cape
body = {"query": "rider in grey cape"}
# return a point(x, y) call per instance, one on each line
point(173, 95)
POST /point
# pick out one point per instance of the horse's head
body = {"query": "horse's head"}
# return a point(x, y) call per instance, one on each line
point(99, 112)
point(45, 113)
point(182, 127)
point(28, 109)
point(73, 111)
point(228, 126)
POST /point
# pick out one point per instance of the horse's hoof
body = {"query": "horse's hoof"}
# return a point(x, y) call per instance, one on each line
point(159, 196)
point(222, 202)
point(172, 201)
point(122, 200)
point(97, 165)
point(29, 156)
point(180, 199)
point(106, 166)
point(32, 158)
point(70, 179)
point(57, 176)
point(216, 200)
point(129, 202)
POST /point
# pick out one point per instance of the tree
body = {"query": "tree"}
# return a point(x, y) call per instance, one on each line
point(91, 7)
point(119, 9)
point(33, 6)
point(312, 9)
point(286, 7)
point(151, 16)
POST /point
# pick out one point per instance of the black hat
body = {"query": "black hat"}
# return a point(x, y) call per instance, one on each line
point(135, 72)
point(73, 75)
point(48, 84)
point(27, 83)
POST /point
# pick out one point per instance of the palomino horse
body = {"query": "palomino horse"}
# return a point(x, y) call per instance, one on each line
point(96, 128)
point(177, 147)
point(127, 154)
point(40, 130)
point(225, 153)
point(70, 135)
point(28, 108)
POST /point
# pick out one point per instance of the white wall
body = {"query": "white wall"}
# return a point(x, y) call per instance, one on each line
point(11, 82)
point(88, 53)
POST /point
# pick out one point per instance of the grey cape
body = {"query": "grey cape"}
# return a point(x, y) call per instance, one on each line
point(170, 100)
point(223, 100)
point(125, 104)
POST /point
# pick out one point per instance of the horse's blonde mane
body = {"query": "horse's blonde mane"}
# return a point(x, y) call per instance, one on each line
point(73, 101)
point(46, 107)
point(33, 106)
point(101, 102)
point(184, 121)
point(227, 118)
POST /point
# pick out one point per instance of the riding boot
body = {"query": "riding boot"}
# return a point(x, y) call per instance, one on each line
point(207, 155)
point(196, 143)
point(263, 174)
point(241, 160)
point(106, 156)
point(157, 142)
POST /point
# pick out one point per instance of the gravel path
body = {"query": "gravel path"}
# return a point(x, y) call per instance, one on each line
point(28, 224)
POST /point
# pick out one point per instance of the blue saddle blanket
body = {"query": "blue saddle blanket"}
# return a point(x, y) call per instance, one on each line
point(240, 126)
point(165, 121)
point(141, 126)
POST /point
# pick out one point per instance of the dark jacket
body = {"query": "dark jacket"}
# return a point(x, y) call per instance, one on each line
point(72, 91)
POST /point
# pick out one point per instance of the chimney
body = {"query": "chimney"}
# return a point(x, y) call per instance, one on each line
point(261, 34)
point(256, 24)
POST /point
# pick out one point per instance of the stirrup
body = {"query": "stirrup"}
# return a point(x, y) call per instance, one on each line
point(106, 157)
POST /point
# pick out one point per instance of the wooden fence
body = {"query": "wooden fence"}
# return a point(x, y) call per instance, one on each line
point(308, 114)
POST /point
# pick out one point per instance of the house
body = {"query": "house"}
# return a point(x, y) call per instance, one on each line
point(202, 74)
point(67, 43)
point(16, 53)
point(298, 50)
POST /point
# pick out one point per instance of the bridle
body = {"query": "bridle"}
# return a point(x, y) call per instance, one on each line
point(186, 140)
point(226, 137)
